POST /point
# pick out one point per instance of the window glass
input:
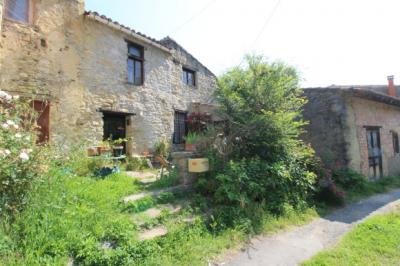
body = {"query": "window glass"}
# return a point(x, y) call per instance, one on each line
point(188, 77)
point(135, 51)
point(131, 70)
point(17, 10)
point(138, 72)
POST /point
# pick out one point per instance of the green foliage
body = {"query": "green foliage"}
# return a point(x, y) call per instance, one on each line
point(135, 164)
point(350, 179)
point(374, 242)
point(191, 137)
point(167, 180)
point(263, 105)
point(162, 147)
point(148, 202)
point(266, 167)
point(22, 162)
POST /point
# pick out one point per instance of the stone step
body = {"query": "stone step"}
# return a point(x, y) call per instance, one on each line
point(147, 216)
point(153, 233)
point(154, 193)
point(141, 174)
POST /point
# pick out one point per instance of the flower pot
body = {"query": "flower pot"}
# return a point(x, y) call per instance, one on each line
point(189, 147)
point(117, 151)
point(93, 151)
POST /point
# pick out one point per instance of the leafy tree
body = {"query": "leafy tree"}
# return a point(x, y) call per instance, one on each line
point(266, 164)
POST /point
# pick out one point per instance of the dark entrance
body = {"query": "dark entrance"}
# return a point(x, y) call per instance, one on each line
point(114, 126)
point(374, 152)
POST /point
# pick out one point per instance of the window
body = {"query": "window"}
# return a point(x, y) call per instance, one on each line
point(17, 10)
point(188, 77)
point(395, 138)
point(179, 127)
point(135, 64)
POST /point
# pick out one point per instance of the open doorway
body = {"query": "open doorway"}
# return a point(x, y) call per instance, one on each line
point(114, 127)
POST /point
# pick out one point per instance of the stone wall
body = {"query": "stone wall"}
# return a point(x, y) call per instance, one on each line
point(326, 113)
point(80, 66)
point(1, 14)
point(387, 117)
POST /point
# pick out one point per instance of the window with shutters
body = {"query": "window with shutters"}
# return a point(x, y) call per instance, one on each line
point(135, 64)
point(18, 10)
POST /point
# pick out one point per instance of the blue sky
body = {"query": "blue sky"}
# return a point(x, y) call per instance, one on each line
point(329, 41)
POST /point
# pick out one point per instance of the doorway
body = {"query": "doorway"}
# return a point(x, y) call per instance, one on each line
point(114, 127)
point(374, 152)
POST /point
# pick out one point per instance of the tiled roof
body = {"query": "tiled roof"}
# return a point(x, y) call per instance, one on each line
point(363, 91)
point(108, 21)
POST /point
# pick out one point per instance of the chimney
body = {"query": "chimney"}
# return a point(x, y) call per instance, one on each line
point(391, 89)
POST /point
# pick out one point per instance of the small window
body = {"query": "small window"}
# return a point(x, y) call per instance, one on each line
point(180, 127)
point(17, 10)
point(135, 64)
point(188, 77)
point(395, 138)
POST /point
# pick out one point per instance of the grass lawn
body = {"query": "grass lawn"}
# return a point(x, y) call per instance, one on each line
point(374, 242)
point(72, 217)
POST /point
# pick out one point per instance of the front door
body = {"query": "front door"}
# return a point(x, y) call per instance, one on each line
point(374, 153)
point(114, 127)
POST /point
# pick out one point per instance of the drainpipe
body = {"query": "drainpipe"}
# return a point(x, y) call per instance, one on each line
point(391, 89)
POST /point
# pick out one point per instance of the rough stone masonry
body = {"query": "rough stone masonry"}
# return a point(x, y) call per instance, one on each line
point(77, 61)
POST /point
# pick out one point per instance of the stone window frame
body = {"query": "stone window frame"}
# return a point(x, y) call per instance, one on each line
point(30, 11)
point(186, 69)
point(135, 58)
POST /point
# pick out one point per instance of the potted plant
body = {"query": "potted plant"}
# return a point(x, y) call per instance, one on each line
point(190, 141)
point(118, 147)
point(104, 148)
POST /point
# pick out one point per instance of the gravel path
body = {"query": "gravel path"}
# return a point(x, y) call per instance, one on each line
point(295, 246)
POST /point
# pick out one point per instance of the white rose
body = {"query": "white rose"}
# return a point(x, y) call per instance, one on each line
point(24, 156)
point(7, 152)
point(4, 95)
point(18, 136)
point(5, 126)
point(15, 126)
point(10, 122)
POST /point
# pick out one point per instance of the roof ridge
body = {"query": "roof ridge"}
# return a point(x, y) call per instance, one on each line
point(116, 23)
point(168, 38)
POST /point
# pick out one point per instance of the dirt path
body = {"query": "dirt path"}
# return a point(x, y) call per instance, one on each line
point(295, 246)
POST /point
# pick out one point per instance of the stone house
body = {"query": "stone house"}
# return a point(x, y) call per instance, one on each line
point(356, 127)
point(92, 77)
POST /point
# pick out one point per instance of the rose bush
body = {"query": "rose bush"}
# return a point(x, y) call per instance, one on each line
point(21, 161)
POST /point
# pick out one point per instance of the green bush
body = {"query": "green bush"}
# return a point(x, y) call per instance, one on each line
point(349, 179)
point(22, 162)
point(135, 164)
point(263, 164)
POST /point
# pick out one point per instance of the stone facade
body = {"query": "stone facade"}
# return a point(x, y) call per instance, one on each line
point(78, 61)
point(339, 118)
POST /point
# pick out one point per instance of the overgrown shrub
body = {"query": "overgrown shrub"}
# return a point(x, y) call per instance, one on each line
point(22, 162)
point(263, 161)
